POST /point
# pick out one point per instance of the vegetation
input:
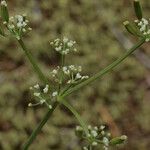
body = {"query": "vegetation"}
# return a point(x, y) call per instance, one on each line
point(18, 28)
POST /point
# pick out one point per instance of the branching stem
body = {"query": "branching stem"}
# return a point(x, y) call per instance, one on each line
point(39, 127)
point(75, 113)
point(105, 70)
point(68, 92)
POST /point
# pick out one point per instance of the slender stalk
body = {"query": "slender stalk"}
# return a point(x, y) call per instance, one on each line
point(33, 62)
point(39, 127)
point(61, 74)
point(76, 114)
point(45, 81)
point(105, 70)
point(90, 147)
point(98, 75)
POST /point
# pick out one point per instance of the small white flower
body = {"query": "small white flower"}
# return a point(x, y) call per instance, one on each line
point(24, 24)
point(45, 90)
point(140, 23)
point(103, 132)
point(30, 29)
point(4, 22)
point(50, 106)
point(64, 68)
point(19, 17)
point(24, 30)
point(36, 94)
point(85, 148)
point(54, 93)
point(94, 143)
point(11, 26)
point(105, 148)
point(70, 44)
point(54, 71)
point(30, 105)
point(94, 133)
point(58, 48)
point(19, 24)
point(69, 81)
point(3, 3)
point(11, 19)
point(145, 21)
point(105, 141)
point(65, 40)
point(56, 40)
point(79, 128)
point(85, 77)
point(96, 128)
point(89, 127)
point(67, 72)
point(143, 28)
point(37, 86)
point(42, 101)
point(72, 67)
point(102, 127)
point(78, 76)
point(79, 68)
point(124, 137)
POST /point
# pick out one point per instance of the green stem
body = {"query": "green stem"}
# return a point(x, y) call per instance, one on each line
point(100, 74)
point(45, 81)
point(90, 147)
point(75, 113)
point(39, 127)
point(105, 70)
point(33, 62)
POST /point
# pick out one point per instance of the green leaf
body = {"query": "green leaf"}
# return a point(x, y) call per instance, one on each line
point(118, 140)
point(4, 12)
point(138, 9)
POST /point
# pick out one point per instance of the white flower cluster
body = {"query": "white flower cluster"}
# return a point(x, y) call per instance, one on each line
point(18, 25)
point(21, 21)
point(98, 135)
point(3, 3)
point(43, 95)
point(95, 136)
point(144, 27)
point(71, 73)
point(74, 73)
point(64, 46)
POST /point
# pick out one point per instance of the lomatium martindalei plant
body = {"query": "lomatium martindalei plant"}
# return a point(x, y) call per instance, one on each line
point(69, 78)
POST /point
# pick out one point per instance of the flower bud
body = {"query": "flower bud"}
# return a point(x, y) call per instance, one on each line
point(131, 28)
point(118, 140)
point(138, 9)
point(79, 131)
point(4, 11)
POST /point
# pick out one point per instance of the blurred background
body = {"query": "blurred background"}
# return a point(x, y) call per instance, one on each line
point(119, 100)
